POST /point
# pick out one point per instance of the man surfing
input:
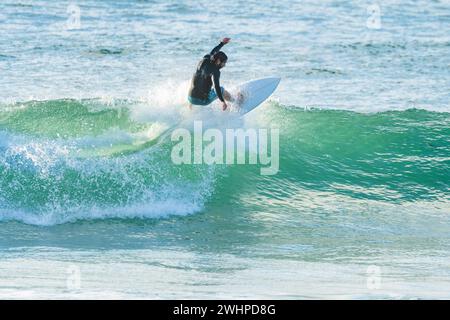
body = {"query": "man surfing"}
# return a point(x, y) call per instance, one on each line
point(201, 92)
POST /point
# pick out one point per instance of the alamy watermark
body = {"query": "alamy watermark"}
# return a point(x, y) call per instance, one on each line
point(373, 280)
point(74, 20)
point(73, 280)
point(227, 146)
point(374, 19)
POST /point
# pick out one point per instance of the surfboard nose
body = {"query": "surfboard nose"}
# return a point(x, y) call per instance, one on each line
point(256, 92)
point(274, 79)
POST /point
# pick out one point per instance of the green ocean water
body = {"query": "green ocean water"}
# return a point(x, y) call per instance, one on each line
point(62, 155)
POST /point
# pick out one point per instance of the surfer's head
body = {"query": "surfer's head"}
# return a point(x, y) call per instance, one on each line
point(220, 59)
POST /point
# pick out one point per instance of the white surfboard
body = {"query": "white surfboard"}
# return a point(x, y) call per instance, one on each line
point(251, 94)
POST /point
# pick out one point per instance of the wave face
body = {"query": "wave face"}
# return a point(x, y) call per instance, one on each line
point(64, 160)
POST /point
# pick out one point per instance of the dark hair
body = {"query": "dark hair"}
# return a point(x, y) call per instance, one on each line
point(220, 55)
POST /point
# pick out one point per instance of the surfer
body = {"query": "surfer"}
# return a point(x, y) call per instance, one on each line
point(201, 92)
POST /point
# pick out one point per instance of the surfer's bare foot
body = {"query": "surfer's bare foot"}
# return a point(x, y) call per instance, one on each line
point(190, 106)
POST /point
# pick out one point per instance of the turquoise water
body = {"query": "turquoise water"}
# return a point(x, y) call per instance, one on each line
point(87, 183)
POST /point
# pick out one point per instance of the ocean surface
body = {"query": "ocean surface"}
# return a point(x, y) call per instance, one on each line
point(91, 205)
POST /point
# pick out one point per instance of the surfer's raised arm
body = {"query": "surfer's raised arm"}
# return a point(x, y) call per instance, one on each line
point(218, 47)
point(207, 74)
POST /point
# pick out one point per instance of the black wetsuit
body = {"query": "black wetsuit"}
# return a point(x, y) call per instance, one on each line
point(201, 81)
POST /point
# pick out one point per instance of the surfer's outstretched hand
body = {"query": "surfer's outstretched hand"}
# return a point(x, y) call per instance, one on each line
point(225, 40)
point(224, 106)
